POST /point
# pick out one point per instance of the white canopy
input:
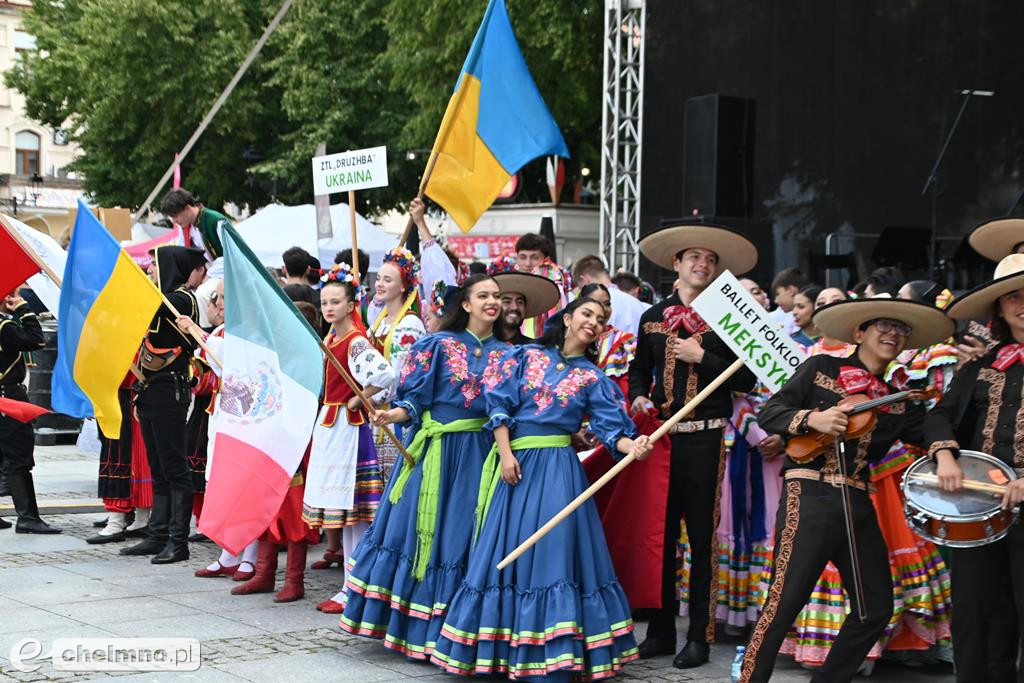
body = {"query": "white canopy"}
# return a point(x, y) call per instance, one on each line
point(275, 228)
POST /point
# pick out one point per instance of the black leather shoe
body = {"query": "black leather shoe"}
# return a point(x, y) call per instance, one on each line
point(4, 524)
point(99, 539)
point(199, 538)
point(100, 524)
point(172, 552)
point(656, 647)
point(34, 526)
point(141, 532)
point(147, 547)
point(692, 655)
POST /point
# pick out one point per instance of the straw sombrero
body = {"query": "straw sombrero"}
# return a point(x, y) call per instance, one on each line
point(735, 252)
point(977, 304)
point(996, 239)
point(541, 293)
point(929, 325)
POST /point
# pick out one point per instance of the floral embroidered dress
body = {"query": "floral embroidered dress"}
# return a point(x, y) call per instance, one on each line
point(558, 610)
point(409, 564)
point(343, 480)
point(394, 343)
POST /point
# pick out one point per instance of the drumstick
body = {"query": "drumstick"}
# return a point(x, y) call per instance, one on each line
point(969, 484)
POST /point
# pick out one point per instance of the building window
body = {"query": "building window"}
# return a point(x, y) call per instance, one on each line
point(24, 42)
point(26, 153)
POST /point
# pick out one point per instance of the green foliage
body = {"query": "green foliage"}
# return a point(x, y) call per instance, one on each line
point(132, 79)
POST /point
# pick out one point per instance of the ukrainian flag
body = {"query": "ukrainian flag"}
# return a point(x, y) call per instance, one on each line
point(495, 123)
point(106, 306)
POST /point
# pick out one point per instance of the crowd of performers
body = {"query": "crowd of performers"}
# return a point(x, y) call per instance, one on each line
point(513, 389)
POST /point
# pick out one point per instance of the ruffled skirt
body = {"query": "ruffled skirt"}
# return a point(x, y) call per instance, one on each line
point(556, 611)
point(382, 598)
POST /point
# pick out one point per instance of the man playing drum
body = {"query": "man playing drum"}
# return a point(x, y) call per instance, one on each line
point(826, 498)
point(982, 411)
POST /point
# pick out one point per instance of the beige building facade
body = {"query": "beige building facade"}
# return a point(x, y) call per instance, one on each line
point(34, 180)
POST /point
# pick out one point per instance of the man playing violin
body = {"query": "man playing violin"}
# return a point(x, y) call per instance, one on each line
point(825, 501)
point(982, 411)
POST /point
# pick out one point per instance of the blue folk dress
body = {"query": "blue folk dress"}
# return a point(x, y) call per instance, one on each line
point(557, 612)
point(408, 565)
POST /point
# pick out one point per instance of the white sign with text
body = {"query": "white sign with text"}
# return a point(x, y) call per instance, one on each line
point(360, 169)
point(734, 315)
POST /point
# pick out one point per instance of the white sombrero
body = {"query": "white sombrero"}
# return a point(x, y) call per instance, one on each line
point(541, 294)
point(998, 238)
point(979, 303)
point(735, 252)
point(928, 324)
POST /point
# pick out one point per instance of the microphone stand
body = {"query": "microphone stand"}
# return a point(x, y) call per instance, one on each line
point(932, 182)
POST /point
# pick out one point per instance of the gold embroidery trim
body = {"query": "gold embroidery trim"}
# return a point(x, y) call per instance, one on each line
point(794, 424)
point(828, 384)
point(939, 445)
point(668, 375)
point(782, 554)
point(709, 633)
point(996, 381)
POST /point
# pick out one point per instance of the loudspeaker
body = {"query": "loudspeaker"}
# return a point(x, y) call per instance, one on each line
point(718, 158)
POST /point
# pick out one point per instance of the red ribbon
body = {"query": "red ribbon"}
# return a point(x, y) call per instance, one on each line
point(675, 317)
point(859, 381)
point(1007, 356)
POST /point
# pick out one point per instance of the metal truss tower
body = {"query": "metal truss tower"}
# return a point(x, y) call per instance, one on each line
point(622, 133)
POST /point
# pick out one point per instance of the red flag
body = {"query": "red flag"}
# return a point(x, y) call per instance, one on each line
point(18, 266)
point(19, 410)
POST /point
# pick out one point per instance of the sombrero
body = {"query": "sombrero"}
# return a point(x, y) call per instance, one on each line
point(929, 325)
point(977, 304)
point(540, 293)
point(735, 252)
point(996, 239)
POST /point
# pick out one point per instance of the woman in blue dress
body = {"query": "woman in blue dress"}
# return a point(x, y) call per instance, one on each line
point(558, 611)
point(412, 559)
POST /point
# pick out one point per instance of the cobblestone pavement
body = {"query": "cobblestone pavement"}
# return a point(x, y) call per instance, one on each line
point(58, 586)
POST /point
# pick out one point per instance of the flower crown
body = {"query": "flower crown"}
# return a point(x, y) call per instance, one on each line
point(437, 293)
point(342, 272)
point(406, 263)
point(502, 264)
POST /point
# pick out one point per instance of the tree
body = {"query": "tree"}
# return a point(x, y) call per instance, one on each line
point(131, 80)
point(334, 88)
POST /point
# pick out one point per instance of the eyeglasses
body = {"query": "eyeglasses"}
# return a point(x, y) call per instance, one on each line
point(885, 325)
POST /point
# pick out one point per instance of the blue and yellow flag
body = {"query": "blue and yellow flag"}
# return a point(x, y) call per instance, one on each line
point(495, 123)
point(106, 306)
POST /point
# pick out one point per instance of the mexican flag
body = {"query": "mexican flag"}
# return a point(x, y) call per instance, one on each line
point(270, 383)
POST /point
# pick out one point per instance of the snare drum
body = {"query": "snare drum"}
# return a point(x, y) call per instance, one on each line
point(965, 519)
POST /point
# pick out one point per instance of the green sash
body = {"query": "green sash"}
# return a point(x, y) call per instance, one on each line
point(491, 474)
point(430, 487)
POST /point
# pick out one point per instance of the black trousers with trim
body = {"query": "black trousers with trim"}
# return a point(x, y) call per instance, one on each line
point(163, 408)
point(810, 532)
point(695, 475)
point(988, 610)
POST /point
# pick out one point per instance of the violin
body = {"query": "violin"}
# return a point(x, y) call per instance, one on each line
point(862, 413)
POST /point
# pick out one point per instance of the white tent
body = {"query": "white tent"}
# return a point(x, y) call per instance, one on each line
point(275, 228)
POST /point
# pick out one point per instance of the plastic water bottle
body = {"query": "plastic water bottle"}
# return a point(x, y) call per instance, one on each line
point(737, 663)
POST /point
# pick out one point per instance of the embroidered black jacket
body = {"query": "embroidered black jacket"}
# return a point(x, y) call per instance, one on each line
point(817, 385)
point(18, 334)
point(675, 382)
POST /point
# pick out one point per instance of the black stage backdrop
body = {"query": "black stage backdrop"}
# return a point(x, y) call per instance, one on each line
point(853, 99)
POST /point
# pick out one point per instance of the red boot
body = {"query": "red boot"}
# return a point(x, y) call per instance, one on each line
point(331, 558)
point(266, 570)
point(294, 572)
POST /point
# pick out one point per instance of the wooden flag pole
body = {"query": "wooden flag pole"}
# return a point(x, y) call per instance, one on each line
point(419, 195)
point(355, 237)
point(192, 330)
point(619, 466)
point(365, 401)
